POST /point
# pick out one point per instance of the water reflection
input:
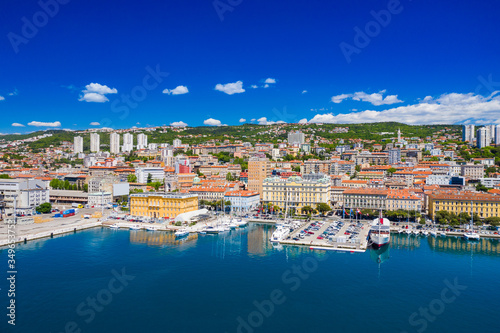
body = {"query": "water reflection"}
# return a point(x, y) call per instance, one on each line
point(453, 244)
point(161, 238)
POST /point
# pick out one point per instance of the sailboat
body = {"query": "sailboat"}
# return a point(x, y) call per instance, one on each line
point(471, 234)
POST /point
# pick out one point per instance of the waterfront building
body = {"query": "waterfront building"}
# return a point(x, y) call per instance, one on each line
point(99, 199)
point(114, 143)
point(295, 192)
point(78, 145)
point(242, 201)
point(316, 166)
point(483, 204)
point(28, 194)
point(209, 193)
point(162, 205)
point(95, 142)
point(369, 198)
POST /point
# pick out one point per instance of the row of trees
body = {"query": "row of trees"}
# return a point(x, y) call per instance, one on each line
point(65, 185)
point(445, 217)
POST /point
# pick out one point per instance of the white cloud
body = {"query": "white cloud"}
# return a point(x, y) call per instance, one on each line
point(95, 123)
point(265, 86)
point(304, 91)
point(178, 124)
point(270, 80)
point(95, 92)
point(17, 125)
point(45, 124)
point(14, 93)
point(212, 122)
point(375, 98)
point(231, 88)
point(254, 86)
point(242, 120)
point(2, 98)
point(179, 90)
point(303, 121)
point(253, 119)
point(264, 121)
point(452, 108)
point(137, 123)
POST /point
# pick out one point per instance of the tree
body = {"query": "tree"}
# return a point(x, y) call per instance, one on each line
point(481, 187)
point(150, 178)
point(323, 208)
point(296, 168)
point(493, 220)
point(357, 168)
point(229, 177)
point(4, 176)
point(132, 178)
point(156, 185)
point(434, 158)
point(306, 209)
point(44, 208)
point(85, 187)
point(391, 170)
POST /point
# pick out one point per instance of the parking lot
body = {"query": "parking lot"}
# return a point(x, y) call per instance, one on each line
point(337, 234)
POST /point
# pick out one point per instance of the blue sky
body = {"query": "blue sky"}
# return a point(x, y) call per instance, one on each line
point(426, 62)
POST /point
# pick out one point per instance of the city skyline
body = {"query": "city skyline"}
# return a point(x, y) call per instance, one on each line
point(345, 74)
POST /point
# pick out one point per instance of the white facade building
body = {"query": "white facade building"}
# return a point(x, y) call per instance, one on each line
point(95, 142)
point(29, 193)
point(157, 174)
point(78, 145)
point(242, 201)
point(296, 137)
point(99, 199)
point(142, 141)
point(114, 143)
point(483, 137)
point(468, 133)
point(128, 142)
point(177, 143)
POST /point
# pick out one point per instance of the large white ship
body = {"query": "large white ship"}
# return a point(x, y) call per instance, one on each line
point(280, 234)
point(380, 232)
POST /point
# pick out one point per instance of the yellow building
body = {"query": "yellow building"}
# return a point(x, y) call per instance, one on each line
point(161, 205)
point(296, 192)
point(483, 204)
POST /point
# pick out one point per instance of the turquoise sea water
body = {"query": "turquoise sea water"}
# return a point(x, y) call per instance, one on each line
point(239, 282)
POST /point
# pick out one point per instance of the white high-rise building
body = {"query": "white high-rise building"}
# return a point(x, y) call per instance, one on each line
point(128, 142)
point(491, 130)
point(114, 143)
point(95, 142)
point(482, 137)
point(142, 141)
point(497, 135)
point(394, 156)
point(295, 137)
point(468, 133)
point(177, 143)
point(78, 145)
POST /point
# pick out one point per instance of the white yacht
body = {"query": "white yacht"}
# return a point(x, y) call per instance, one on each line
point(279, 234)
point(380, 231)
point(434, 233)
point(152, 228)
point(114, 226)
point(241, 222)
point(181, 232)
point(135, 227)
